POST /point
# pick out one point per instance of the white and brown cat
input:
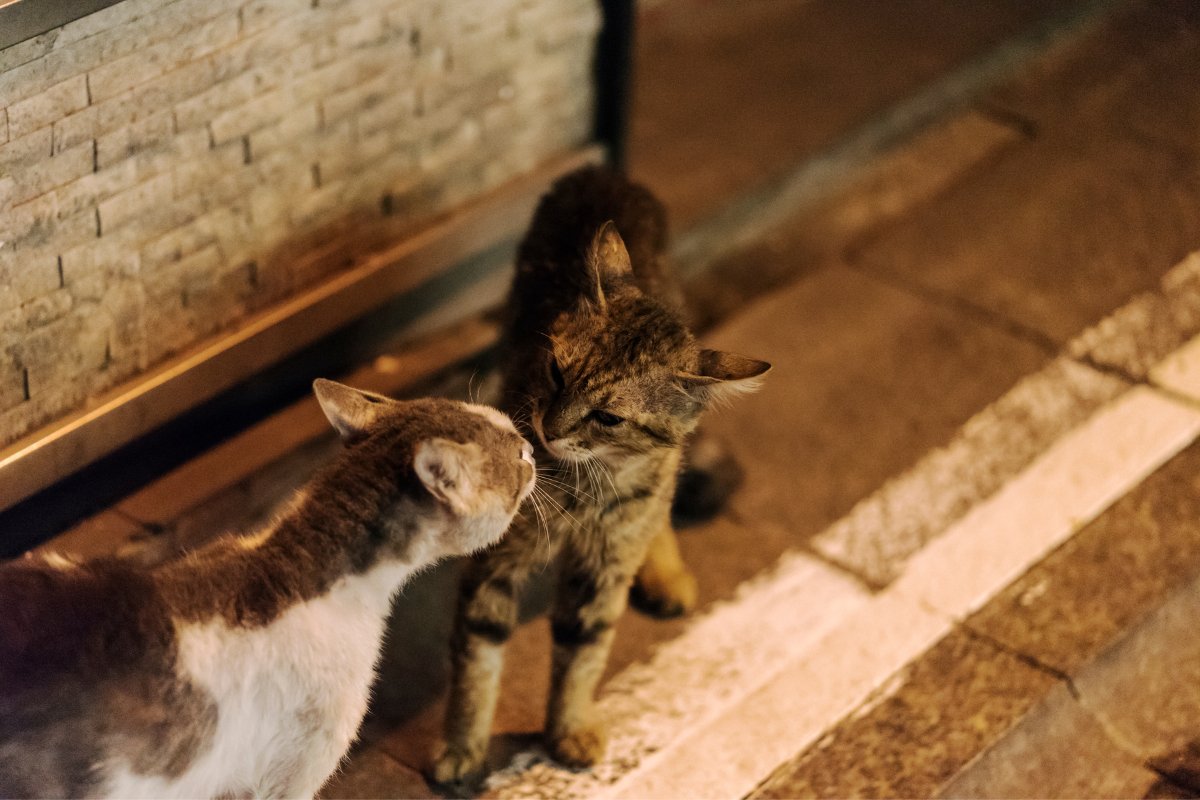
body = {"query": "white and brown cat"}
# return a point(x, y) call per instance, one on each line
point(244, 668)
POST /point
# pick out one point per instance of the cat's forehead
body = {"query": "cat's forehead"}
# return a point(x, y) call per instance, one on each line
point(497, 418)
point(452, 419)
point(635, 331)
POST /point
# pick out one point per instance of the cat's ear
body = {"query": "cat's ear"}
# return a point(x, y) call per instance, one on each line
point(447, 469)
point(350, 411)
point(722, 374)
point(607, 259)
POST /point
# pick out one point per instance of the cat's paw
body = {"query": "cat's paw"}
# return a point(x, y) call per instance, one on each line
point(456, 766)
point(665, 595)
point(579, 747)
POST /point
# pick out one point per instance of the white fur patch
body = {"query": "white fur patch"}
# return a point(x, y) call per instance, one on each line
point(497, 418)
point(290, 695)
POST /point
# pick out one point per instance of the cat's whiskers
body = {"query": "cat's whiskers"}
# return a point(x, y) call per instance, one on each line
point(547, 475)
point(543, 525)
point(602, 468)
point(553, 503)
point(589, 463)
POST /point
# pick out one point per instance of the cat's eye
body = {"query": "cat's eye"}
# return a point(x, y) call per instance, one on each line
point(556, 374)
point(604, 418)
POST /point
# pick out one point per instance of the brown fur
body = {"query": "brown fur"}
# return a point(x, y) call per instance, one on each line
point(88, 652)
point(594, 334)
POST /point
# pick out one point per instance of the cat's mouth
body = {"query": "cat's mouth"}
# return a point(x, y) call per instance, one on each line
point(527, 457)
point(559, 449)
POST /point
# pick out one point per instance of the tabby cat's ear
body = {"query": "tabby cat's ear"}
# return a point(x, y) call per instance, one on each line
point(724, 374)
point(447, 469)
point(350, 411)
point(607, 259)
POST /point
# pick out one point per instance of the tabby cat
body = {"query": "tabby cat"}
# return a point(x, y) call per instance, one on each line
point(600, 367)
point(244, 668)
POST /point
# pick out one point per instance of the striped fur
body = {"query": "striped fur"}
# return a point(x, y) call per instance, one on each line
point(600, 368)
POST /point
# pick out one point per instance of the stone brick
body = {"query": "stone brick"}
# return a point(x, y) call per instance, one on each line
point(37, 75)
point(133, 202)
point(359, 98)
point(142, 66)
point(43, 222)
point(133, 105)
point(367, 31)
point(24, 150)
point(392, 112)
point(4, 134)
point(228, 92)
point(26, 276)
point(38, 177)
point(109, 258)
point(292, 128)
point(43, 108)
point(62, 351)
point(83, 195)
point(28, 50)
point(207, 174)
point(119, 14)
point(264, 14)
point(47, 308)
point(180, 242)
point(122, 302)
point(258, 113)
point(123, 143)
point(12, 384)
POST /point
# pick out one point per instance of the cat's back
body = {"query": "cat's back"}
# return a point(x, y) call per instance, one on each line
point(550, 257)
point(76, 647)
point(61, 617)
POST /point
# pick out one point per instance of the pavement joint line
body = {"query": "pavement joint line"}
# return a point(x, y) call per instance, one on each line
point(960, 305)
point(765, 675)
point(1018, 122)
point(754, 213)
point(1025, 658)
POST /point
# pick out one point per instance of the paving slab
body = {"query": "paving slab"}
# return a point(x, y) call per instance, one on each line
point(866, 379)
point(1049, 238)
point(960, 696)
point(374, 774)
point(728, 95)
point(1092, 210)
point(1146, 688)
point(1057, 750)
point(1136, 71)
point(1065, 611)
point(765, 244)
point(101, 534)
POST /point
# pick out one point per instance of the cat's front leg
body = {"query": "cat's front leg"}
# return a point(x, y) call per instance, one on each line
point(486, 617)
point(590, 600)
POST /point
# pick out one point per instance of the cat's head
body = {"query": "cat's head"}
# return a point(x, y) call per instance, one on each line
point(622, 373)
point(463, 464)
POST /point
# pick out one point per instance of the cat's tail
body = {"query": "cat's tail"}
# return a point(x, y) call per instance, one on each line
point(710, 475)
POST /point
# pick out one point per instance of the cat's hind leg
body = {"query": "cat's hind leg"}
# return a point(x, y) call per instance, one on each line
point(665, 587)
point(487, 615)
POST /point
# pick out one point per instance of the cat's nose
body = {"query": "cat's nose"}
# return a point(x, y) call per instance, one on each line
point(527, 451)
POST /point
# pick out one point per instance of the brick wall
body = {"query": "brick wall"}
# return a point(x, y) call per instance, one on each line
point(168, 166)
